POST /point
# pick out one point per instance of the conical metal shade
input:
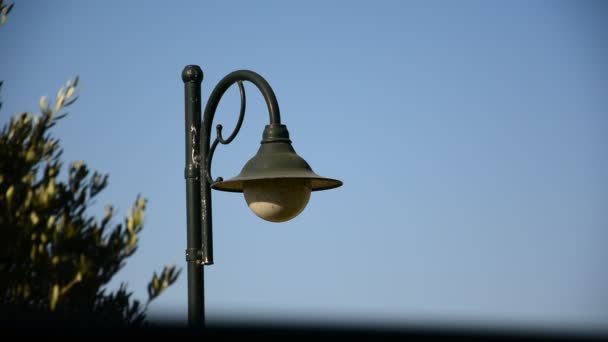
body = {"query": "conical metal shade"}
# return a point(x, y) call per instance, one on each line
point(276, 159)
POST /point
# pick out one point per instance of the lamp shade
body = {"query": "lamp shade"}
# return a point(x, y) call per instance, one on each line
point(276, 160)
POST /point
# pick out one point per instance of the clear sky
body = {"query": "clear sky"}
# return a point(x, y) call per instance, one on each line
point(471, 137)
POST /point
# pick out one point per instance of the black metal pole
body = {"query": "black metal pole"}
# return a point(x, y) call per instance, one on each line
point(193, 77)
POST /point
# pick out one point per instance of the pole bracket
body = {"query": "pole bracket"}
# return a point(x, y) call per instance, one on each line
point(194, 254)
point(192, 172)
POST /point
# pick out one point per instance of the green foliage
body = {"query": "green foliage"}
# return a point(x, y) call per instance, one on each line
point(54, 257)
point(4, 11)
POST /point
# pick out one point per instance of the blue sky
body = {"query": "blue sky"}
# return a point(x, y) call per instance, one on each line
point(471, 138)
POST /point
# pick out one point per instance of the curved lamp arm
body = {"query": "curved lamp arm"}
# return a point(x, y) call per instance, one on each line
point(235, 77)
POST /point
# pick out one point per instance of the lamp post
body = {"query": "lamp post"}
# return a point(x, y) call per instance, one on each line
point(276, 182)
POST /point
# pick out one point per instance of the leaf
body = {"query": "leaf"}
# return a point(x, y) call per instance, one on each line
point(44, 104)
point(61, 93)
point(59, 104)
point(156, 282)
point(70, 92)
point(173, 278)
point(61, 116)
point(34, 218)
point(130, 225)
point(69, 102)
point(50, 222)
point(51, 190)
point(54, 297)
point(151, 292)
point(9, 194)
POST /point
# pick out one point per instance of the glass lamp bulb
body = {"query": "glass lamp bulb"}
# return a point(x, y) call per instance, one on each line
point(277, 200)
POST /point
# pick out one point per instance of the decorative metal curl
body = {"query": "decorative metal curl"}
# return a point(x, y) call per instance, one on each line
point(220, 139)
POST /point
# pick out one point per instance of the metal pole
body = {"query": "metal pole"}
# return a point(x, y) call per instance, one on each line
point(193, 77)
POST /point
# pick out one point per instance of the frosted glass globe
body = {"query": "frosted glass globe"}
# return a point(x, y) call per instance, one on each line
point(277, 200)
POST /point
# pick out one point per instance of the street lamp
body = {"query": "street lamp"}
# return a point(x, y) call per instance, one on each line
point(276, 182)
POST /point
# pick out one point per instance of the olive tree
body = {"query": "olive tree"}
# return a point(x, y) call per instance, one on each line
point(55, 258)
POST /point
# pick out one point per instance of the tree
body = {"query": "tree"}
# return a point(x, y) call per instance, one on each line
point(55, 259)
